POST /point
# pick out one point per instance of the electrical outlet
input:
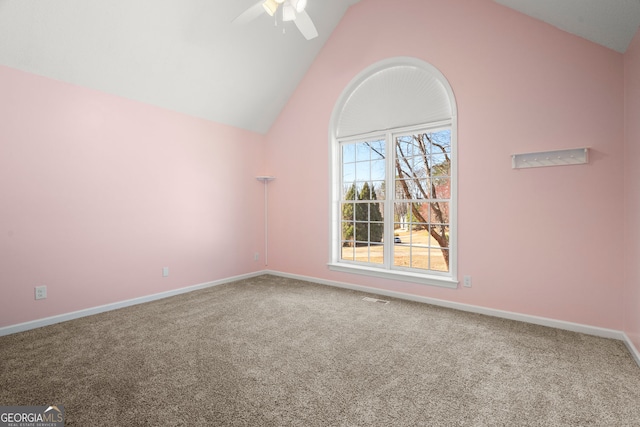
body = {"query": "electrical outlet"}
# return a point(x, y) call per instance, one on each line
point(256, 256)
point(467, 281)
point(165, 271)
point(41, 292)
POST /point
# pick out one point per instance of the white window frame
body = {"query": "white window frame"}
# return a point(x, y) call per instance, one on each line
point(387, 270)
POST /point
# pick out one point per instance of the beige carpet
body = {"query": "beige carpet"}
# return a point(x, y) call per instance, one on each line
point(270, 351)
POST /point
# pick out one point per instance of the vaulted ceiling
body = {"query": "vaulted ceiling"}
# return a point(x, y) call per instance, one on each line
point(611, 23)
point(187, 55)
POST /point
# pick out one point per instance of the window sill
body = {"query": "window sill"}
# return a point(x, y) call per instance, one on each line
point(422, 279)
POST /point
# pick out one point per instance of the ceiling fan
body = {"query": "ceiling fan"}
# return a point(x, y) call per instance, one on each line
point(292, 10)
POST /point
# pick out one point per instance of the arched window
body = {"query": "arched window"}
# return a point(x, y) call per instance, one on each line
point(393, 137)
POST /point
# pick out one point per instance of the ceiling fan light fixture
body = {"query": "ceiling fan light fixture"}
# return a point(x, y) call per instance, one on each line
point(288, 13)
point(270, 6)
point(299, 5)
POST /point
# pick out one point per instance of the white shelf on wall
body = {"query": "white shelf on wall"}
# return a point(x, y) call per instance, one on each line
point(574, 156)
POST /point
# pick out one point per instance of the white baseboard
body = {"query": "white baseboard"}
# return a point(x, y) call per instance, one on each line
point(632, 349)
point(543, 321)
point(21, 327)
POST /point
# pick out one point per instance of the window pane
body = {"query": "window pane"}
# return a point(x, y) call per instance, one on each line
point(377, 149)
point(418, 234)
point(369, 253)
point(420, 257)
point(361, 232)
point(363, 171)
point(348, 228)
point(439, 164)
point(348, 173)
point(348, 251)
point(363, 152)
point(348, 210)
point(348, 153)
point(419, 188)
point(439, 235)
point(417, 212)
point(405, 146)
point(378, 170)
point(441, 188)
point(377, 211)
point(368, 230)
point(411, 214)
point(349, 192)
point(438, 213)
point(432, 191)
point(406, 189)
point(376, 253)
point(437, 259)
point(419, 166)
point(377, 232)
point(402, 256)
point(368, 226)
point(363, 212)
point(400, 211)
point(422, 174)
point(407, 169)
point(366, 193)
point(441, 141)
point(378, 189)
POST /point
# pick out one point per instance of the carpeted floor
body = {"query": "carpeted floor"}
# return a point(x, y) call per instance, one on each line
point(270, 351)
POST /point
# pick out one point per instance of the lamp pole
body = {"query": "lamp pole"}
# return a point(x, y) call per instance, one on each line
point(265, 180)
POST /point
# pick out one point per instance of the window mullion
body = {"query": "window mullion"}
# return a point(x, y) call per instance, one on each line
point(389, 201)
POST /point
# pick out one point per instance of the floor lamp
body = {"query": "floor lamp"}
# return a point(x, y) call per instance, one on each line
point(265, 180)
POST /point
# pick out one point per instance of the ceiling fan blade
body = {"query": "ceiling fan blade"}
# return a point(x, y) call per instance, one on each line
point(250, 14)
point(305, 25)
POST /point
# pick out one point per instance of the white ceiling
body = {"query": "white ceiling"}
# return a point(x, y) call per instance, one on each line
point(611, 23)
point(186, 56)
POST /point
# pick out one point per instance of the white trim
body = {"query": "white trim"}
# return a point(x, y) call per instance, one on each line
point(632, 348)
point(335, 137)
point(536, 320)
point(404, 276)
point(543, 321)
point(33, 324)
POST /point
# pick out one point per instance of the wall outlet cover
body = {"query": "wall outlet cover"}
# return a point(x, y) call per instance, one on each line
point(40, 292)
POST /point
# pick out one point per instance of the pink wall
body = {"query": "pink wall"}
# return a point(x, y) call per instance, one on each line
point(632, 191)
point(551, 246)
point(99, 193)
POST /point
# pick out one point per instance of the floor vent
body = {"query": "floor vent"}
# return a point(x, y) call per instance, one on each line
point(381, 301)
